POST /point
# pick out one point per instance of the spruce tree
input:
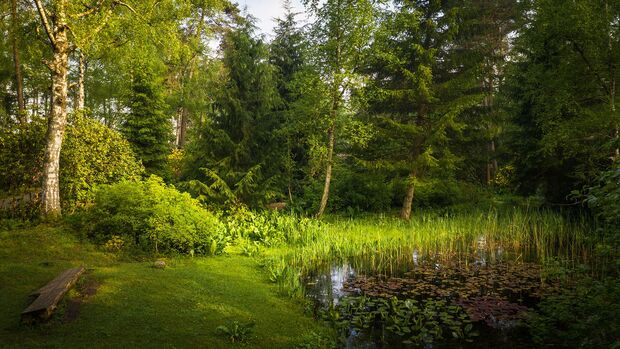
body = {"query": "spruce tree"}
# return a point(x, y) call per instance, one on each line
point(238, 152)
point(288, 55)
point(416, 94)
point(147, 127)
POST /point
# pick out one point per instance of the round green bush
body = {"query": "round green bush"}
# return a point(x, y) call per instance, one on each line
point(92, 154)
point(155, 217)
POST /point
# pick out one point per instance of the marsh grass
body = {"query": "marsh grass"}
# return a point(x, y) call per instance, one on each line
point(383, 242)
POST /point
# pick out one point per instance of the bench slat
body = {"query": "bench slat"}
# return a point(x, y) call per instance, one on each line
point(56, 281)
point(50, 294)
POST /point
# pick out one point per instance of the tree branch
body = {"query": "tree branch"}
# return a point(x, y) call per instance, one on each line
point(96, 31)
point(583, 56)
point(90, 10)
point(46, 23)
point(122, 3)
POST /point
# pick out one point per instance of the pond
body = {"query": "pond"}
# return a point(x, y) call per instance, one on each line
point(474, 299)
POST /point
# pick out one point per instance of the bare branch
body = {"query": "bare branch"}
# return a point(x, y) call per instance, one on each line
point(122, 3)
point(591, 67)
point(90, 10)
point(46, 23)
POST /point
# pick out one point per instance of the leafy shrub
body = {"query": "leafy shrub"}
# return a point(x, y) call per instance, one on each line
point(269, 228)
point(21, 155)
point(353, 190)
point(433, 193)
point(361, 191)
point(155, 217)
point(604, 198)
point(92, 154)
point(587, 317)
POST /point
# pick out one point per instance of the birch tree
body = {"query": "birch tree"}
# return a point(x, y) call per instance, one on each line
point(342, 30)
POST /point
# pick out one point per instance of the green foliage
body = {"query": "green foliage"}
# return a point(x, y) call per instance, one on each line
point(604, 197)
point(440, 193)
point(270, 228)
point(93, 154)
point(586, 317)
point(562, 97)
point(21, 155)
point(148, 128)
point(238, 153)
point(406, 321)
point(295, 77)
point(354, 190)
point(156, 218)
point(418, 92)
point(236, 331)
point(315, 340)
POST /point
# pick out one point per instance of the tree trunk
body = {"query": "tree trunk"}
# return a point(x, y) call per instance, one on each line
point(405, 212)
point(488, 173)
point(612, 103)
point(328, 169)
point(495, 165)
point(19, 81)
point(183, 122)
point(491, 164)
point(79, 103)
point(57, 120)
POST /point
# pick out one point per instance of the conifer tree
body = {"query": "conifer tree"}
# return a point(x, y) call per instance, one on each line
point(416, 92)
point(148, 127)
point(288, 55)
point(238, 151)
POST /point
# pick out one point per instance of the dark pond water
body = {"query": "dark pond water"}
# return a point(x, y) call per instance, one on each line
point(476, 300)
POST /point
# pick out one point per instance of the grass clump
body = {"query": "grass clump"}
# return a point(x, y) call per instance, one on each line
point(236, 331)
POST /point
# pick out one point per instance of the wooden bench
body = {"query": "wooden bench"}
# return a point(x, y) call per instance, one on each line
point(49, 295)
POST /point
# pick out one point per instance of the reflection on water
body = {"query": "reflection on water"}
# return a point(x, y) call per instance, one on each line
point(328, 287)
point(494, 287)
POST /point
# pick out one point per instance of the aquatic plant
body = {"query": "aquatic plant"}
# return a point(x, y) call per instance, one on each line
point(459, 280)
point(407, 321)
point(385, 244)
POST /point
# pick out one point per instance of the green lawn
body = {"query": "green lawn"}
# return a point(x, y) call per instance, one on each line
point(137, 305)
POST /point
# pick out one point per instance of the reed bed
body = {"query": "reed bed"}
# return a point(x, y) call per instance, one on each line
point(384, 242)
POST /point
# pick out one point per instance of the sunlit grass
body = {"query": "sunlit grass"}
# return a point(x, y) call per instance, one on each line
point(384, 242)
point(137, 306)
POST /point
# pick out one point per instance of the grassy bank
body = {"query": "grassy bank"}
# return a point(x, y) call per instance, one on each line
point(139, 306)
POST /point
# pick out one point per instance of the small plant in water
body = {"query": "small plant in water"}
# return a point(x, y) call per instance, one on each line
point(393, 320)
point(236, 331)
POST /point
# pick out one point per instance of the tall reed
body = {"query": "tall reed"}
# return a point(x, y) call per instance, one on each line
point(383, 242)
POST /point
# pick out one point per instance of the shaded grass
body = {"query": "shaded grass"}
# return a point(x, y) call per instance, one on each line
point(139, 306)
